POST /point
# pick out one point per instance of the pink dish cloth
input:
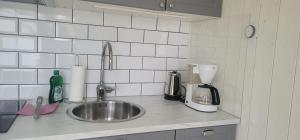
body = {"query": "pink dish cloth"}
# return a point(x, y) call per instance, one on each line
point(29, 109)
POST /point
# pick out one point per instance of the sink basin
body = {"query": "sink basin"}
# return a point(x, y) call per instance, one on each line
point(106, 111)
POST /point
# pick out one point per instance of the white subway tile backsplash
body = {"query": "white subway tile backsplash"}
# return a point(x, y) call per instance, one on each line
point(179, 39)
point(44, 75)
point(152, 63)
point(120, 48)
point(65, 60)
point(116, 76)
point(91, 90)
point(35, 40)
point(184, 52)
point(94, 62)
point(156, 37)
point(66, 91)
point(128, 89)
point(117, 19)
point(87, 47)
point(87, 17)
point(33, 91)
point(35, 27)
point(102, 33)
point(83, 60)
point(176, 64)
point(18, 76)
point(9, 92)
point(153, 89)
point(144, 22)
point(142, 49)
point(141, 76)
point(124, 62)
point(9, 59)
point(186, 26)
point(68, 30)
point(168, 24)
point(54, 14)
point(160, 76)
point(16, 9)
point(93, 76)
point(18, 43)
point(130, 35)
point(36, 60)
point(8, 25)
point(166, 51)
point(54, 45)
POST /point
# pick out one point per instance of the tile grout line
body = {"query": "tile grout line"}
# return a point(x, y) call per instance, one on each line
point(58, 21)
point(39, 36)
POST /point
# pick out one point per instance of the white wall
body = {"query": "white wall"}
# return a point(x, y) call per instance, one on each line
point(258, 77)
point(34, 40)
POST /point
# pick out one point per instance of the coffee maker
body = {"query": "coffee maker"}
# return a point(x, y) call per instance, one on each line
point(201, 95)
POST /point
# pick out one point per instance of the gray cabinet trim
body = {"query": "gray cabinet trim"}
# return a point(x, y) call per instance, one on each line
point(197, 7)
point(144, 4)
point(227, 132)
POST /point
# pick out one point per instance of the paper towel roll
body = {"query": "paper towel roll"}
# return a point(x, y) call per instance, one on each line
point(77, 84)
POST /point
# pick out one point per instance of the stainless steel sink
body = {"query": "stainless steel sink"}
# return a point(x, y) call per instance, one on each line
point(106, 111)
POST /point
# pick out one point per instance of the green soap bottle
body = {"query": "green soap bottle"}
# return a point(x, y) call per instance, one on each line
point(56, 88)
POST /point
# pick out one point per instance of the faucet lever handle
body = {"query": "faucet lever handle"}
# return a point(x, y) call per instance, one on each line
point(108, 89)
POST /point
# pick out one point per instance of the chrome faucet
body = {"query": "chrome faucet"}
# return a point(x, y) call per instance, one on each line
point(102, 89)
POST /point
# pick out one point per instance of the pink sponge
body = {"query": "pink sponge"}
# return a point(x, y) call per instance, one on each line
point(29, 109)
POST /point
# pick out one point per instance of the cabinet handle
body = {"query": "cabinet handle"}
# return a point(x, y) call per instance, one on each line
point(119, 139)
point(162, 5)
point(171, 5)
point(208, 132)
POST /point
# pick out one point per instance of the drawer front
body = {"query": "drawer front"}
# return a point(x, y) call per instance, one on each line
point(162, 135)
point(207, 133)
point(109, 138)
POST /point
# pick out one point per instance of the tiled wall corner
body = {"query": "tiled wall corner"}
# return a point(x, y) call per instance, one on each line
point(34, 41)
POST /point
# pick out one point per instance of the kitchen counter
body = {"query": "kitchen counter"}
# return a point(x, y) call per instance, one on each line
point(160, 115)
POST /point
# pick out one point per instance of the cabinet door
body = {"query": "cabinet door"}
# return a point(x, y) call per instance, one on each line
point(163, 135)
point(109, 138)
point(209, 133)
point(144, 4)
point(198, 7)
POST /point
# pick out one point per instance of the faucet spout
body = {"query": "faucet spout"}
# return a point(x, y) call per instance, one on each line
point(101, 88)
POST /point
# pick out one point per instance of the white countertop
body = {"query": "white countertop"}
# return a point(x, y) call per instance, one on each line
point(160, 115)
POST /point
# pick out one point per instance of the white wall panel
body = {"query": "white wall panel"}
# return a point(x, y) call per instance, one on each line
point(284, 70)
point(294, 127)
point(256, 78)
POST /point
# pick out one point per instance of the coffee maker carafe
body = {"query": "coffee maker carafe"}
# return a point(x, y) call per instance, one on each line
point(201, 95)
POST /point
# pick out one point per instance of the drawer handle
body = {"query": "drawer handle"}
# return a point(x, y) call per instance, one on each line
point(162, 5)
point(119, 139)
point(171, 5)
point(208, 132)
